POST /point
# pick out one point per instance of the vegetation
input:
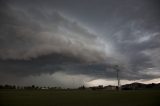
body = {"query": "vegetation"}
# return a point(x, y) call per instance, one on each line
point(17, 97)
point(132, 86)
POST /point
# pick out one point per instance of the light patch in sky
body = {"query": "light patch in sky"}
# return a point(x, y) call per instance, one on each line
point(151, 71)
point(144, 39)
point(106, 82)
point(103, 82)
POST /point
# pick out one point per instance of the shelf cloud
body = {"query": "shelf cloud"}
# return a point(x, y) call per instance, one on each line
point(75, 38)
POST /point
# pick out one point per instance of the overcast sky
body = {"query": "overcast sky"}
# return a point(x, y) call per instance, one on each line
point(70, 43)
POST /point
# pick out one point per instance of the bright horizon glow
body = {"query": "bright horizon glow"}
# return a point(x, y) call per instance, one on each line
point(105, 82)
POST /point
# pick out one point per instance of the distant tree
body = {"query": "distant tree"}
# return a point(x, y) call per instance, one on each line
point(33, 86)
point(82, 87)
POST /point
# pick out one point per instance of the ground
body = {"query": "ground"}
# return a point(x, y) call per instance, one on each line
point(79, 98)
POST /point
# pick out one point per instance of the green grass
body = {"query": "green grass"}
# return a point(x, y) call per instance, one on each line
point(79, 98)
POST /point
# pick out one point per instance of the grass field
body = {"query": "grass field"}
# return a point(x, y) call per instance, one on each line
point(79, 98)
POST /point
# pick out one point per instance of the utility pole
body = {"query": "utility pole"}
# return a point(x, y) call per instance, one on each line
point(118, 78)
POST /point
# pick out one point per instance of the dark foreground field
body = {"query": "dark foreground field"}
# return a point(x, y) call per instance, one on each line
point(79, 98)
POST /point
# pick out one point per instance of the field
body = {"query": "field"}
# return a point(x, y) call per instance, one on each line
point(79, 98)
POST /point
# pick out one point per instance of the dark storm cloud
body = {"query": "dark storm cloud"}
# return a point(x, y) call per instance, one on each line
point(29, 34)
point(32, 32)
point(41, 37)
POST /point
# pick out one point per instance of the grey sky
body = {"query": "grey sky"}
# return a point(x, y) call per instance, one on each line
point(79, 37)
